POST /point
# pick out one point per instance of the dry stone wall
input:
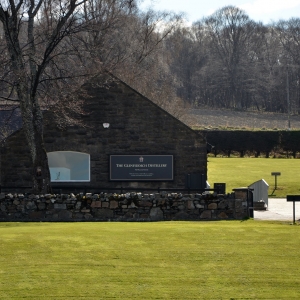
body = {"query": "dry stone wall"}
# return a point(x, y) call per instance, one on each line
point(120, 207)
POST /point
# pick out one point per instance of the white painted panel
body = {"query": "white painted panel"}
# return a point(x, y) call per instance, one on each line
point(260, 191)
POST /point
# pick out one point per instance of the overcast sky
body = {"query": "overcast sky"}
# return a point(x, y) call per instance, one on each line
point(258, 10)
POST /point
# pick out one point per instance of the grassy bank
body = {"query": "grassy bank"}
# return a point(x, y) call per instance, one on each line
point(164, 260)
point(240, 172)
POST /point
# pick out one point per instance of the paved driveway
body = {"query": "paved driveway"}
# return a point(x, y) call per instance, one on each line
point(279, 209)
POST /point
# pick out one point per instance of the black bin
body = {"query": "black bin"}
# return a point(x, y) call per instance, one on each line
point(220, 188)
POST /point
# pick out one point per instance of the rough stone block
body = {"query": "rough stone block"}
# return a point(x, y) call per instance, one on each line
point(241, 194)
point(194, 212)
point(96, 204)
point(36, 215)
point(182, 216)
point(54, 217)
point(78, 216)
point(161, 202)
point(238, 203)
point(206, 214)
point(105, 204)
point(104, 213)
point(145, 203)
point(21, 207)
point(88, 195)
point(212, 206)
point(65, 215)
point(191, 204)
point(181, 207)
point(156, 214)
point(128, 215)
point(2, 207)
point(114, 204)
point(60, 206)
point(222, 215)
point(31, 205)
point(42, 206)
point(88, 217)
point(223, 204)
point(199, 206)
point(144, 216)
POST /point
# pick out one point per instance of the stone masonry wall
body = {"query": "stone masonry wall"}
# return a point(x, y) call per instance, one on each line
point(120, 207)
point(137, 127)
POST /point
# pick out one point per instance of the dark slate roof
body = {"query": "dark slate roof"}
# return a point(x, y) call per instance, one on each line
point(10, 121)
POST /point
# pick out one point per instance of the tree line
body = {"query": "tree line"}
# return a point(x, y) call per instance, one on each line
point(227, 60)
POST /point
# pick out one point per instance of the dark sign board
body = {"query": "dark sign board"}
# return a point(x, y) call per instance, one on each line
point(291, 198)
point(141, 167)
point(220, 187)
point(275, 173)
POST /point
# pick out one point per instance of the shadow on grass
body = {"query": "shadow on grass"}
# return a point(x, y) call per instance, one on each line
point(273, 192)
point(247, 219)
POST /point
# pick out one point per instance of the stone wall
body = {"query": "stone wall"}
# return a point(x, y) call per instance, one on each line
point(121, 207)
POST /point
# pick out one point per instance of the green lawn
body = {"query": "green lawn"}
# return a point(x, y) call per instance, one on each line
point(240, 172)
point(163, 260)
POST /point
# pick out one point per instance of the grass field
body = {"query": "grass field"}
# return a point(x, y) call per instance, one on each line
point(241, 172)
point(163, 260)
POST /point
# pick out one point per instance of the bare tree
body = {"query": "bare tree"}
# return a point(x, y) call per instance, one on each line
point(49, 48)
point(40, 36)
point(142, 58)
point(230, 29)
point(289, 36)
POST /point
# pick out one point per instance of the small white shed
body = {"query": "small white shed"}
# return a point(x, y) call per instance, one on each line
point(260, 191)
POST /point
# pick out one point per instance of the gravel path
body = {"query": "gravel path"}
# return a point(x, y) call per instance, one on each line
point(279, 209)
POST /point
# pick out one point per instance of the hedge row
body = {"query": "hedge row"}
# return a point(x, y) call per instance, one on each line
point(253, 141)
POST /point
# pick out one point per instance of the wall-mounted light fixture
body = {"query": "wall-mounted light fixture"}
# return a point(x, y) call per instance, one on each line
point(38, 171)
point(106, 125)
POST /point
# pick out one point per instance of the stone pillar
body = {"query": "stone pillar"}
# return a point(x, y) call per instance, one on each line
point(245, 194)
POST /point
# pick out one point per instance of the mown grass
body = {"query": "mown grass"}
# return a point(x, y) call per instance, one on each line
point(163, 260)
point(241, 172)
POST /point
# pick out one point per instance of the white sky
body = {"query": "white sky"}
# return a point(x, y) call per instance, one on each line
point(265, 11)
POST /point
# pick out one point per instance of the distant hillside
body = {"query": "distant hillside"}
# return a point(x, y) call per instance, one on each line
point(248, 120)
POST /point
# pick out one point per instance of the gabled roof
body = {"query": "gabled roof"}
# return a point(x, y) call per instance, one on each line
point(261, 181)
point(10, 121)
point(114, 78)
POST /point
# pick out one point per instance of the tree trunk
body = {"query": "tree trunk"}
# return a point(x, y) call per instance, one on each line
point(33, 127)
point(41, 173)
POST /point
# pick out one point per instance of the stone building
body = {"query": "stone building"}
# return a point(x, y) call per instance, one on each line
point(127, 141)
